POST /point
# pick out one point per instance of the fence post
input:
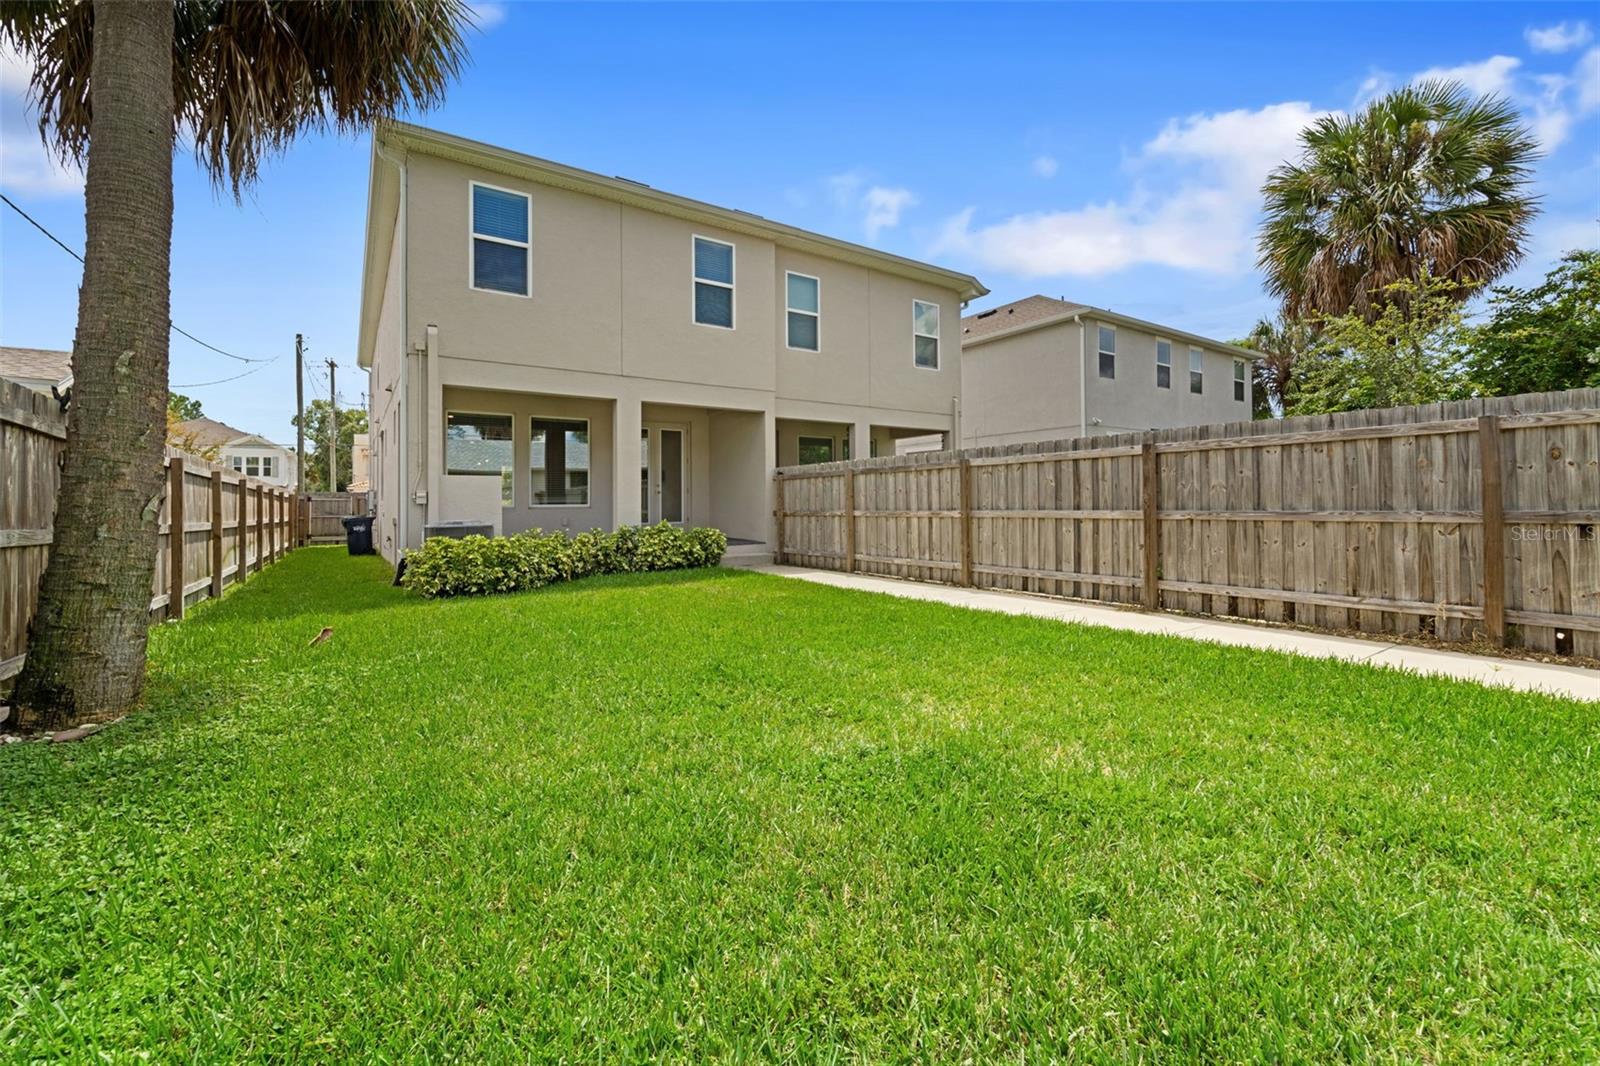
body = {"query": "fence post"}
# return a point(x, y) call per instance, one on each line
point(241, 565)
point(277, 525)
point(849, 521)
point(1150, 488)
point(1493, 509)
point(777, 547)
point(175, 538)
point(965, 472)
point(215, 533)
point(261, 527)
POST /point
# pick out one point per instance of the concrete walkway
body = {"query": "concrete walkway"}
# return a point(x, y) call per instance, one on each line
point(1573, 681)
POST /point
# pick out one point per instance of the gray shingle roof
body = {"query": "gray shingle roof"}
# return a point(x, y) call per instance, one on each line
point(1017, 313)
point(35, 367)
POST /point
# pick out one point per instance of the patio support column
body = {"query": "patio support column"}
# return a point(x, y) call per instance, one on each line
point(861, 440)
point(627, 424)
point(769, 438)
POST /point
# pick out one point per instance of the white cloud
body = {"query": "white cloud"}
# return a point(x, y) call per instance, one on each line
point(883, 206)
point(1562, 37)
point(1587, 75)
point(880, 206)
point(1193, 208)
point(487, 14)
point(1493, 75)
point(1372, 86)
point(26, 166)
point(1045, 166)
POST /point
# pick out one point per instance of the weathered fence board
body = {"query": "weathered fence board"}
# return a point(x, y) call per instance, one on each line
point(201, 532)
point(323, 514)
point(1468, 520)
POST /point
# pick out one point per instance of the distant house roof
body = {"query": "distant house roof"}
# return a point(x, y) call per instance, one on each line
point(209, 433)
point(37, 368)
point(1038, 311)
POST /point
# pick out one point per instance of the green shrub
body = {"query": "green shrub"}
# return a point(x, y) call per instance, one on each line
point(474, 566)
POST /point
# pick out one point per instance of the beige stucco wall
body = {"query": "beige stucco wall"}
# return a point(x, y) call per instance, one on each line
point(1025, 387)
point(612, 293)
point(383, 416)
point(1021, 388)
point(1132, 402)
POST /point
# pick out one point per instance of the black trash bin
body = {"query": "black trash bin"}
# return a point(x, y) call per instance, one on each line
point(358, 534)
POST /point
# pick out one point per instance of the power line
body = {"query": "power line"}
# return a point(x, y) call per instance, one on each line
point(174, 326)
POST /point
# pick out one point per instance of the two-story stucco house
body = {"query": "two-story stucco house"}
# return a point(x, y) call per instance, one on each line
point(555, 348)
point(1045, 369)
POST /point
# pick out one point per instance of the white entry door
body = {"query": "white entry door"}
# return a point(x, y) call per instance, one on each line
point(663, 473)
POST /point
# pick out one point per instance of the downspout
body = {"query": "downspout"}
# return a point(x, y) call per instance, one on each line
point(1083, 379)
point(404, 479)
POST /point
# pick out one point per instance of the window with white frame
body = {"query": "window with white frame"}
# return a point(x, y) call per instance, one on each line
point(925, 334)
point(252, 466)
point(558, 454)
point(269, 466)
point(1108, 352)
point(1163, 365)
point(501, 254)
point(713, 283)
point(237, 462)
point(804, 300)
point(1197, 371)
point(479, 444)
point(1238, 380)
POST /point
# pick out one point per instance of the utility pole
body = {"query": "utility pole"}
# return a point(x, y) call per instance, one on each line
point(299, 415)
point(333, 430)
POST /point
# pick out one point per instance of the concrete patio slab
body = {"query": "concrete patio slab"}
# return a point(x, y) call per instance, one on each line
point(1572, 681)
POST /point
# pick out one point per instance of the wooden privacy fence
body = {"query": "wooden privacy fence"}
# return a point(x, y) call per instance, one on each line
point(324, 514)
point(1463, 520)
point(227, 525)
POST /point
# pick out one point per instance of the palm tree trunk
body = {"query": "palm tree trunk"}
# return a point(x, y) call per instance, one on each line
point(86, 647)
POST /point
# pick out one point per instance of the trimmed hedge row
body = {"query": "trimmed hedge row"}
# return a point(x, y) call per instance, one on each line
point(473, 566)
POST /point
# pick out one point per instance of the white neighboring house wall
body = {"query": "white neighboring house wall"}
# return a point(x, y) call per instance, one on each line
point(1032, 371)
point(260, 458)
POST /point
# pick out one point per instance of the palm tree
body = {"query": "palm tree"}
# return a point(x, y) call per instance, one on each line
point(114, 81)
point(1427, 180)
point(1283, 342)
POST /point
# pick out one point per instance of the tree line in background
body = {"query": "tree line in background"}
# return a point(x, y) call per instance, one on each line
point(1376, 239)
point(318, 420)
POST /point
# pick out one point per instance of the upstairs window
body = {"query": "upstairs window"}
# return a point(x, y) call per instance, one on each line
point(1197, 371)
point(268, 466)
point(1163, 365)
point(805, 311)
point(1238, 380)
point(925, 334)
point(1108, 352)
point(500, 252)
point(713, 283)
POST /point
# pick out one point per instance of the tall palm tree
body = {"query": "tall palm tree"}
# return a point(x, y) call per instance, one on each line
point(1427, 180)
point(114, 81)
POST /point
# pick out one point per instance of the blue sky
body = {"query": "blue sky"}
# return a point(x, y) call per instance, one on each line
point(1108, 154)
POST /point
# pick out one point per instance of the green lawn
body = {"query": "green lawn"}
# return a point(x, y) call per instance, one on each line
point(726, 816)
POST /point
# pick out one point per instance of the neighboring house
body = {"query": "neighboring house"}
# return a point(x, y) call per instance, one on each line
point(247, 453)
point(360, 463)
point(1044, 369)
point(37, 368)
point(559, 349)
